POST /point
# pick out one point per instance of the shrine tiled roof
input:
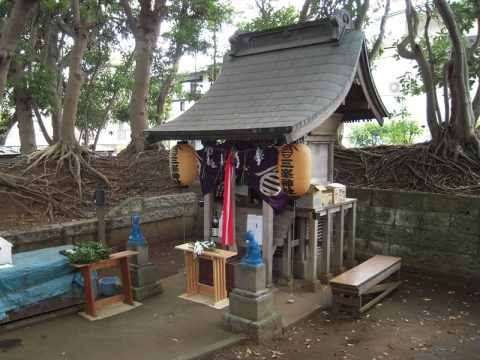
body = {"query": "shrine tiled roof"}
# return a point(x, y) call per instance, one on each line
point(281, 83)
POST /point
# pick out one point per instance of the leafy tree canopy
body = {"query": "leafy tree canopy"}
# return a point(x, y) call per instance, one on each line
point(270, 16)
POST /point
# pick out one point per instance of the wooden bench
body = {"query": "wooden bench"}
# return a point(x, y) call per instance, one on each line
point(364, 285)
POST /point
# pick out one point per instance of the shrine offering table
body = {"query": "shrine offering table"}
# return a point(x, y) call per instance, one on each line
point(331, 263)
point(218, 258)
point(117, 259)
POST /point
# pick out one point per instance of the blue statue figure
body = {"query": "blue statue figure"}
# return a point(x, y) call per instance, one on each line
point(136, 238)
point(253, 253)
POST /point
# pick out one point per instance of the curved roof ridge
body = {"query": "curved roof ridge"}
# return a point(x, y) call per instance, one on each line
point(280, 94)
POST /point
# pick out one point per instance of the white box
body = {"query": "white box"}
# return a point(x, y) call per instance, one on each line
point(255, 223)
point(5, 252)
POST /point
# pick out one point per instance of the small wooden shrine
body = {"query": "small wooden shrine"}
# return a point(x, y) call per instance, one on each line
point(292, 84)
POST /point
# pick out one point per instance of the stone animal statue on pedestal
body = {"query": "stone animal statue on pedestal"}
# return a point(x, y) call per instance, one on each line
point(253, 253)
point(136, 236)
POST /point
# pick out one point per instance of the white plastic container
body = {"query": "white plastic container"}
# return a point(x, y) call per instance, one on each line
point(5, 252)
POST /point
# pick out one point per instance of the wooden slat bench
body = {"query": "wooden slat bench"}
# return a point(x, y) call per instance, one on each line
point(377, 277)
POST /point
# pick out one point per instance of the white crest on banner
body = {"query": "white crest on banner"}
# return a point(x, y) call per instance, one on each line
point(210, 162)
point(269, 181)
point(237, 158)
point(259, 156)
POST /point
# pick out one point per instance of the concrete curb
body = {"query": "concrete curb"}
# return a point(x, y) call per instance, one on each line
point(210, 349)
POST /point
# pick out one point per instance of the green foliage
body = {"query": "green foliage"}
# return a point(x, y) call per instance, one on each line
point(399, 131)
point(105, 97)
point(88, 252)
point(191, 33)
point(365, 135)
point(395, 132)
point(270, 17)
point(323, 9)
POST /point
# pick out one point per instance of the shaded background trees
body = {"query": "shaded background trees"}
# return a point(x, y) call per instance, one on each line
point(116, 83)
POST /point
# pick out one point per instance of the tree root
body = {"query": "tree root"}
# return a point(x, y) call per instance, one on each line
point(70, 160)
point(32, 190)
point(414, 168)
point(72, 156)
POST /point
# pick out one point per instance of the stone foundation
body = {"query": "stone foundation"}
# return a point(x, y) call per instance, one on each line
point(432, 233)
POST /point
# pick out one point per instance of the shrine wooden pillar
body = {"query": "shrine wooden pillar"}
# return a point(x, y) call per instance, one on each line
point(267, 243)
point(207, 215)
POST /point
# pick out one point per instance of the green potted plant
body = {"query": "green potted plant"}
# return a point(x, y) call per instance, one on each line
point(88, 252)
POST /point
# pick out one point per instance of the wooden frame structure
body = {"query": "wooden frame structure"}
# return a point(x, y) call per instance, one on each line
point(120, 259)
point(218, 258)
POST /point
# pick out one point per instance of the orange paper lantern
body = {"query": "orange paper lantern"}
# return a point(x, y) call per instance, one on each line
point(183, 164)
point(295, 168)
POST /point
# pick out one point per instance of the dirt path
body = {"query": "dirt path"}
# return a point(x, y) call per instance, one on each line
point(425, 319)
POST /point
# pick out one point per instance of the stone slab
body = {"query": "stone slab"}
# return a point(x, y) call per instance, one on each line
point(143, 275)
point(253, 308)
point(258, 331)
point(250, 278)
point(147, 291)
point(36, 234)
point(75, 228)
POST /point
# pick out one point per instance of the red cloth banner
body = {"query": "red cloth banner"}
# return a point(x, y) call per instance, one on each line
point(227, 225)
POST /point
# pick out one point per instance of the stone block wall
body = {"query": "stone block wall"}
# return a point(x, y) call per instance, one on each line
point(432, 233)
point(163, 219)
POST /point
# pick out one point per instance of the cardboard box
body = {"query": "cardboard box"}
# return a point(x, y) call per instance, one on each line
point(339, 192)
point(317, 196)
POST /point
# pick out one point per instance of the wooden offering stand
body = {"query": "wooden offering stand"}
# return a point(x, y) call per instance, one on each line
point(117, 259)
point(218, 258)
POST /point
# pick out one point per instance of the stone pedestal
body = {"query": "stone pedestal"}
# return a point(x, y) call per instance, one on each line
point(251, 305)
point(143, 273)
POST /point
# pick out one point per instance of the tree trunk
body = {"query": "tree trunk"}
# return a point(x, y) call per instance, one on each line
point(464, 117)
point(415, 53)
point(476, 105)
point(76, 77)
point(50, 57)
point(23, 110)
point(25, 121)
point(162, 97)
point(304, 12)
point(145, 29)
point(167, 85)
point(379, 41)
point(10, 36)
point(138, 113)
point(361, 14)
point(42, 126)
point(57, 113)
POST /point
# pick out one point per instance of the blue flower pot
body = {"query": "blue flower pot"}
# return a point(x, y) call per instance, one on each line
point(108, 285)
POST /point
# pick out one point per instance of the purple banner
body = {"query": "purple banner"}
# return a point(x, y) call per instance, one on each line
point(258, 166)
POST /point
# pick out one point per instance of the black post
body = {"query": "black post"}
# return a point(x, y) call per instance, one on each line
point(99, 200)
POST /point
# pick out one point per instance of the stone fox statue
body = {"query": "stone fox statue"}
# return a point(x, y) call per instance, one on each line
point(253, 253)
point(136, 236)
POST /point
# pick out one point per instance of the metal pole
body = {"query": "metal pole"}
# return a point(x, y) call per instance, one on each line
point(101, 224)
